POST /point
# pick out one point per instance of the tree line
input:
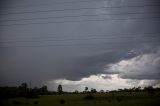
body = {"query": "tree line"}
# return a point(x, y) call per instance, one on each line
point(24, 91)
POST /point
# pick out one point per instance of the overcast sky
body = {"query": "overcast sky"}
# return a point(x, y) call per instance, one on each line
point(102, 44)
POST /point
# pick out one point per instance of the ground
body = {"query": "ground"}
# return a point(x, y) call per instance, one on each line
point(103, 99)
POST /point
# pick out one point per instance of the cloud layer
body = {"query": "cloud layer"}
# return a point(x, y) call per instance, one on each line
point(141, 70)
point(73, 51)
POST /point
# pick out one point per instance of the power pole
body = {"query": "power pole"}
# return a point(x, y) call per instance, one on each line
point(30, 85)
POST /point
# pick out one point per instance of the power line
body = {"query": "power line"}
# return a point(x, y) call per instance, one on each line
point(85, 15)
point(56, 3)
point(84, 44)
point(89, 20)
point(71, 39)
point(87, 35)
point(84, 38)
point(76, 9)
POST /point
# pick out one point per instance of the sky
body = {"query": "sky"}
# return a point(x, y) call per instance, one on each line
point(102, 44)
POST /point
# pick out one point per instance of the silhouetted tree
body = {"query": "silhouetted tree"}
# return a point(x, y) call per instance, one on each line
point(150, 89)
point(59, 89)
point(93, 90)
point(120, 90)
point(86, 89)
point(33, 93)
point(23, 89)
point(101, 91)
point(24, 85)
point(107, 91)
point(76, 91)
point(138, 89)
point(43, 90)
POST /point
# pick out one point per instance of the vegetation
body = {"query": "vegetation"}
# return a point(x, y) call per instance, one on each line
point(59, 89)
point(24, 96)
point(106, 99)
point(22, 91)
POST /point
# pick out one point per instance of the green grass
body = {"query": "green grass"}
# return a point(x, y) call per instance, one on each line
point(109, 99)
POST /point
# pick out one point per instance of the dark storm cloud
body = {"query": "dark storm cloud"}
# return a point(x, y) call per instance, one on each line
point(24, 60)
point(95, 63)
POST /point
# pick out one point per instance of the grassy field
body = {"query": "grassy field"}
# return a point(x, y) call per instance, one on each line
point(106, 99)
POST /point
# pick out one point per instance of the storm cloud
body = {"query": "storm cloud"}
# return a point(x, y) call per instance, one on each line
point(49, 40)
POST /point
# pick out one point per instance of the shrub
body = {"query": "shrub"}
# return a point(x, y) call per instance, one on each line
point(17, 103)
point(109, 100)
point(62, 101)
point(119, 99)
point(32, 94)
point(35, 102)
point(89, 97)
point(26, 103)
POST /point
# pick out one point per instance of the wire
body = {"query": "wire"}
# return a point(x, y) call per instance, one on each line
point(57, 3)
point(85, 38)
point(76, 9)
point(82, 44)
point(89, 20)
point(85, 15)
point(87, 35)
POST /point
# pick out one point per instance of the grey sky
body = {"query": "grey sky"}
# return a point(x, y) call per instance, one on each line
point(72, 39)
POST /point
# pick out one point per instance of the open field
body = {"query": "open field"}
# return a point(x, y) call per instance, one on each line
point(105, 99)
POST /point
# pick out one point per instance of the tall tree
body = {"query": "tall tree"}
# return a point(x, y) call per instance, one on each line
point(23, 89)
point(86, 89)
point(43, 90)
point(60, 89)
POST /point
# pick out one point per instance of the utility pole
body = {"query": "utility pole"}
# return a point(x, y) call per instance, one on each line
point(30, 85)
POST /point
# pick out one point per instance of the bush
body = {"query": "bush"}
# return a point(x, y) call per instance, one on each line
point(62, 101)
point(26, 103)
point(109, 100)
point(17, 103)
point(32, 94)
point(89, 97)
point(150, 89)
point(35, 102)
point(119, 99)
